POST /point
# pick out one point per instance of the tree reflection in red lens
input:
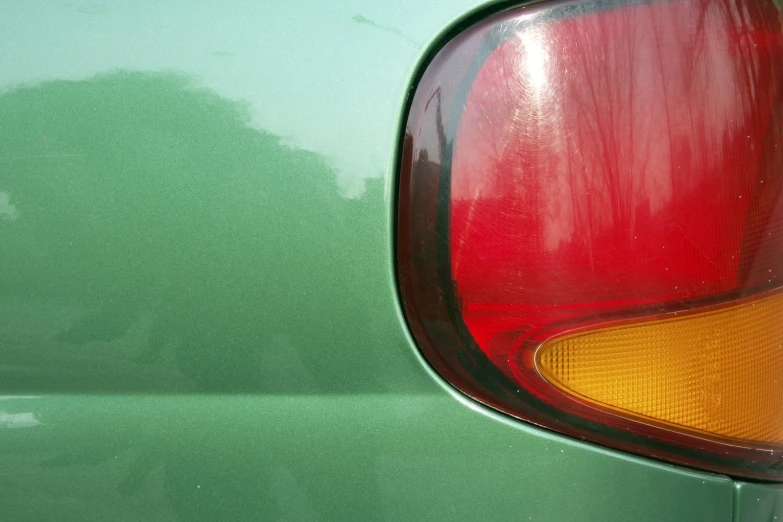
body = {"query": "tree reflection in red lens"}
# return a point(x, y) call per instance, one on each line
point(626, 160)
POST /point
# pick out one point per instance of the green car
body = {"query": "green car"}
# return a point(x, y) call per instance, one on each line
point(415, 260)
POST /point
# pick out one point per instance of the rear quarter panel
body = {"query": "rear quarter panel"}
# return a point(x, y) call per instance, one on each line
point(198, 311)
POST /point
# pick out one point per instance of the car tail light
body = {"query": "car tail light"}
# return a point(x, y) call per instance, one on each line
point(591, 224)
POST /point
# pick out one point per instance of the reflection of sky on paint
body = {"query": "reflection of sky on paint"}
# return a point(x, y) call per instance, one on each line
point(16, 420)
point(8, 211)
point(308, 70)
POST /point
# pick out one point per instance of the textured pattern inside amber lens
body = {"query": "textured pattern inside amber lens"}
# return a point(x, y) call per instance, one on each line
point(719, 371)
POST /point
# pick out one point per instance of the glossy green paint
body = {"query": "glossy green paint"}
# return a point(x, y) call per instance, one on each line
point(758, 502)
point(198, 311)
point(417, 456)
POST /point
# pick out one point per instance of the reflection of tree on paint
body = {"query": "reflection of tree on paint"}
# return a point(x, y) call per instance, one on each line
point(170, 247)
point(154, 207)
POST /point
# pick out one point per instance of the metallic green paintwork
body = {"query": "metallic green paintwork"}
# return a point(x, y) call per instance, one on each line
point(758, 502)
point(198, 314)
point(400, 456)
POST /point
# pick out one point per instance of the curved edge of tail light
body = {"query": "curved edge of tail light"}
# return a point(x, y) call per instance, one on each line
point(590, 224)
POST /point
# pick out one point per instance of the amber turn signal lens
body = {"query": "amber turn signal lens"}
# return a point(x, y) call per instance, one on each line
point(719, 372)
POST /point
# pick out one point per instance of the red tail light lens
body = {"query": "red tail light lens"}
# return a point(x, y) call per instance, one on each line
point(591, 224)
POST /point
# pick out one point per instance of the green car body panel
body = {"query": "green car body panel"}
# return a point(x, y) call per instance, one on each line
point(198, 310)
